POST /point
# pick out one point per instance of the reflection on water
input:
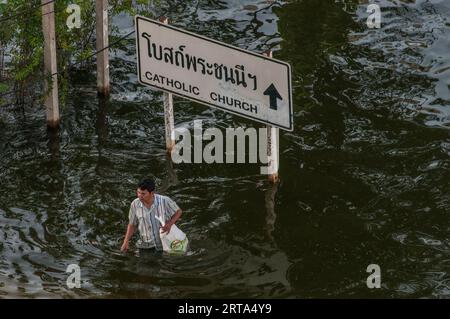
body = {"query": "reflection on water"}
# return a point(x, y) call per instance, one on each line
point(364, 175)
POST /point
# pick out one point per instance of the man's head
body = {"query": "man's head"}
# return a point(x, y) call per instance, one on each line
point(145, 190)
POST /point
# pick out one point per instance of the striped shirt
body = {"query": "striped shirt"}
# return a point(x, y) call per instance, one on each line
point(148, 225)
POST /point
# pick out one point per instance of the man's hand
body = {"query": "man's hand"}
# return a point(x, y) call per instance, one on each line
point(128, 235)
point(166, 227)
point(124, 247)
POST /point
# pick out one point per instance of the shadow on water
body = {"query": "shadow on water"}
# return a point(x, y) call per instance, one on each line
point(363, 175)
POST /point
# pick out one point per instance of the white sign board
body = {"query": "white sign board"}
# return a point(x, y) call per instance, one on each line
point(214, 73)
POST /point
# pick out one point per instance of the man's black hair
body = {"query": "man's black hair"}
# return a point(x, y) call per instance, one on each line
point(147, 184)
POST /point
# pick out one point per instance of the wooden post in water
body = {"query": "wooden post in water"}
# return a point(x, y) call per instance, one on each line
point(101, 18)
point(168, 112)
point(50, 66)
point(272, 146)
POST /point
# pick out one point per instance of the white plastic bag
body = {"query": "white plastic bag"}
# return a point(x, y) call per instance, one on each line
point(174, 242)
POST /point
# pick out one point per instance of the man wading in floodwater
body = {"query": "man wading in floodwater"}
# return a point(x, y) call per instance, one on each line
point(142, 215)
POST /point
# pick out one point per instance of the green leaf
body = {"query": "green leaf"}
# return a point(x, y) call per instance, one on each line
point(3, 87)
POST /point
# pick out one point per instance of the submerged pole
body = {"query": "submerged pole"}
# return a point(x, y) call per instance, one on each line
point(168, 112)
point(272, 146)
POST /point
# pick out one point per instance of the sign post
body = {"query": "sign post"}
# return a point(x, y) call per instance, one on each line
point(272, 139)
point(248, 84)
point(168, 113)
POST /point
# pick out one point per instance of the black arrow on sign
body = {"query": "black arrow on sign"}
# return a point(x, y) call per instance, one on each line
point(273, 94)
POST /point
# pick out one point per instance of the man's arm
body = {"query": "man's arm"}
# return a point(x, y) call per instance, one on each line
point(128, 235)
point(172, 221)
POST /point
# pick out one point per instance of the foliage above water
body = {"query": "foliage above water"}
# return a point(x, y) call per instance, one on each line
point(21, 33)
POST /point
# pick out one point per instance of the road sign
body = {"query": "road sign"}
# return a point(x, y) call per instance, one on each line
point(214, 73)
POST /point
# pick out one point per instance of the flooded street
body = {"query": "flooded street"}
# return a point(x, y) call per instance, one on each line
point(364, 175)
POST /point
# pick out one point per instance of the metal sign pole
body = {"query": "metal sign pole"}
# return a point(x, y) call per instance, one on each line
point(272, 146)
point(168, 112)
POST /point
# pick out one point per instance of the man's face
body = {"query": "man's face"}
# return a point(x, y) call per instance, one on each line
point(144, 195)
